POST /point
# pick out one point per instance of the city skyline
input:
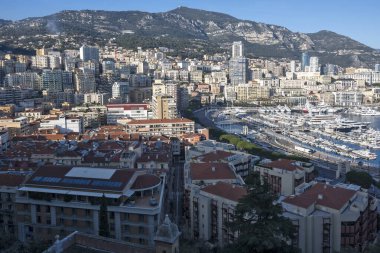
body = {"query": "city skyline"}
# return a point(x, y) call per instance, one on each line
point(298, 16)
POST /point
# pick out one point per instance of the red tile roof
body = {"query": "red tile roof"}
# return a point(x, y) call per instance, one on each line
point(158, 157)
point(11, 180)
point(159, 121)
point(211, 171)
point(213, 156)
point(129, 106)
point(324, 195)
point(226, 190)
point(284, 164)
point(145, 181)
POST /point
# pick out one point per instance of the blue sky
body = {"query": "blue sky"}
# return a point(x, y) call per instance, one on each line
point(357, 19)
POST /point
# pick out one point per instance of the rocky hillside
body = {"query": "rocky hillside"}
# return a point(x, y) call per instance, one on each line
point(181, 29)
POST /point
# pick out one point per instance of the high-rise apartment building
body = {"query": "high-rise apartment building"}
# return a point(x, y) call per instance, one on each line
point(293, 66)
point(314, 64)
point(305, 61)
point(88, 53)
point(120, 90)
point(57, 80)
point(237, 49)
point(238, 70)
point(164, 107)
point(85, 81)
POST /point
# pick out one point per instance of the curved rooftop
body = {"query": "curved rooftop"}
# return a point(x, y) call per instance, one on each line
point(146, 181)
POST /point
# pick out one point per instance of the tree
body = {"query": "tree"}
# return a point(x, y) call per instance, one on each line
point(360, 178)
point(259, 222)
point(103, 218)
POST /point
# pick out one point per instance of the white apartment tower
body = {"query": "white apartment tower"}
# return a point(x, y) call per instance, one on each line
point(314, 64)
point(120, 90)
point(89, 53)
point(293, 66)
point(237, 49)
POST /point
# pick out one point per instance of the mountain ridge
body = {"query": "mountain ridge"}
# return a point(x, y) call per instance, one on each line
point(183, 28)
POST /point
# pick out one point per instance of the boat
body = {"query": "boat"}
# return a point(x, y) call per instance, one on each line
point(365, 153)
point(363, 111)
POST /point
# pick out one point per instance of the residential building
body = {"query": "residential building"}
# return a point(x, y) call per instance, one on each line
point(16, 126)
point(348, 98)
point(120, 90)
point(238, 70)
point(329, 218)
point(285, 176)
point(88, 53)
point(305, 61)
point(164, 107)
point(237, 49)
point(58, 200)
point(85, 81)
point(63, 123)
point(212, 191)
point(130, 111)
point(4, 140)
point(9, 183)
point(168, 127)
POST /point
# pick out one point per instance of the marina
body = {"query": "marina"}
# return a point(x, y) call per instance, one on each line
point(318, 129)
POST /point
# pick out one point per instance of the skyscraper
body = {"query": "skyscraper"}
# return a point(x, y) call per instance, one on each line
point(237, 49)
point(89, 53)
point(238, 70)
point(305, 61)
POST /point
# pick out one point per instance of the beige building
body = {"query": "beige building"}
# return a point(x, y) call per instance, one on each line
point(164, 107)
point(286, 176)
point(211, 194)
point(249, 92)
point(329, 218)
point(213, 207)
point(17, 126)
point(169, 127)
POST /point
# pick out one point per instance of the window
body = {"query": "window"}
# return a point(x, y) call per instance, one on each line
point(38, 219)
point(141, 230)
point(48, 209)
point(38, 208)
point(73, 211)
point(141, 218)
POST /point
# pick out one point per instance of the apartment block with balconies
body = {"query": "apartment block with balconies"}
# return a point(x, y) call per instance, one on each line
point(58, 200)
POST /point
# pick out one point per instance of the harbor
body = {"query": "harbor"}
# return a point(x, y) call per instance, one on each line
point(332, 134)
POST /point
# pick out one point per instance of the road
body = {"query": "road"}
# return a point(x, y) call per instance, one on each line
point(174, 201)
